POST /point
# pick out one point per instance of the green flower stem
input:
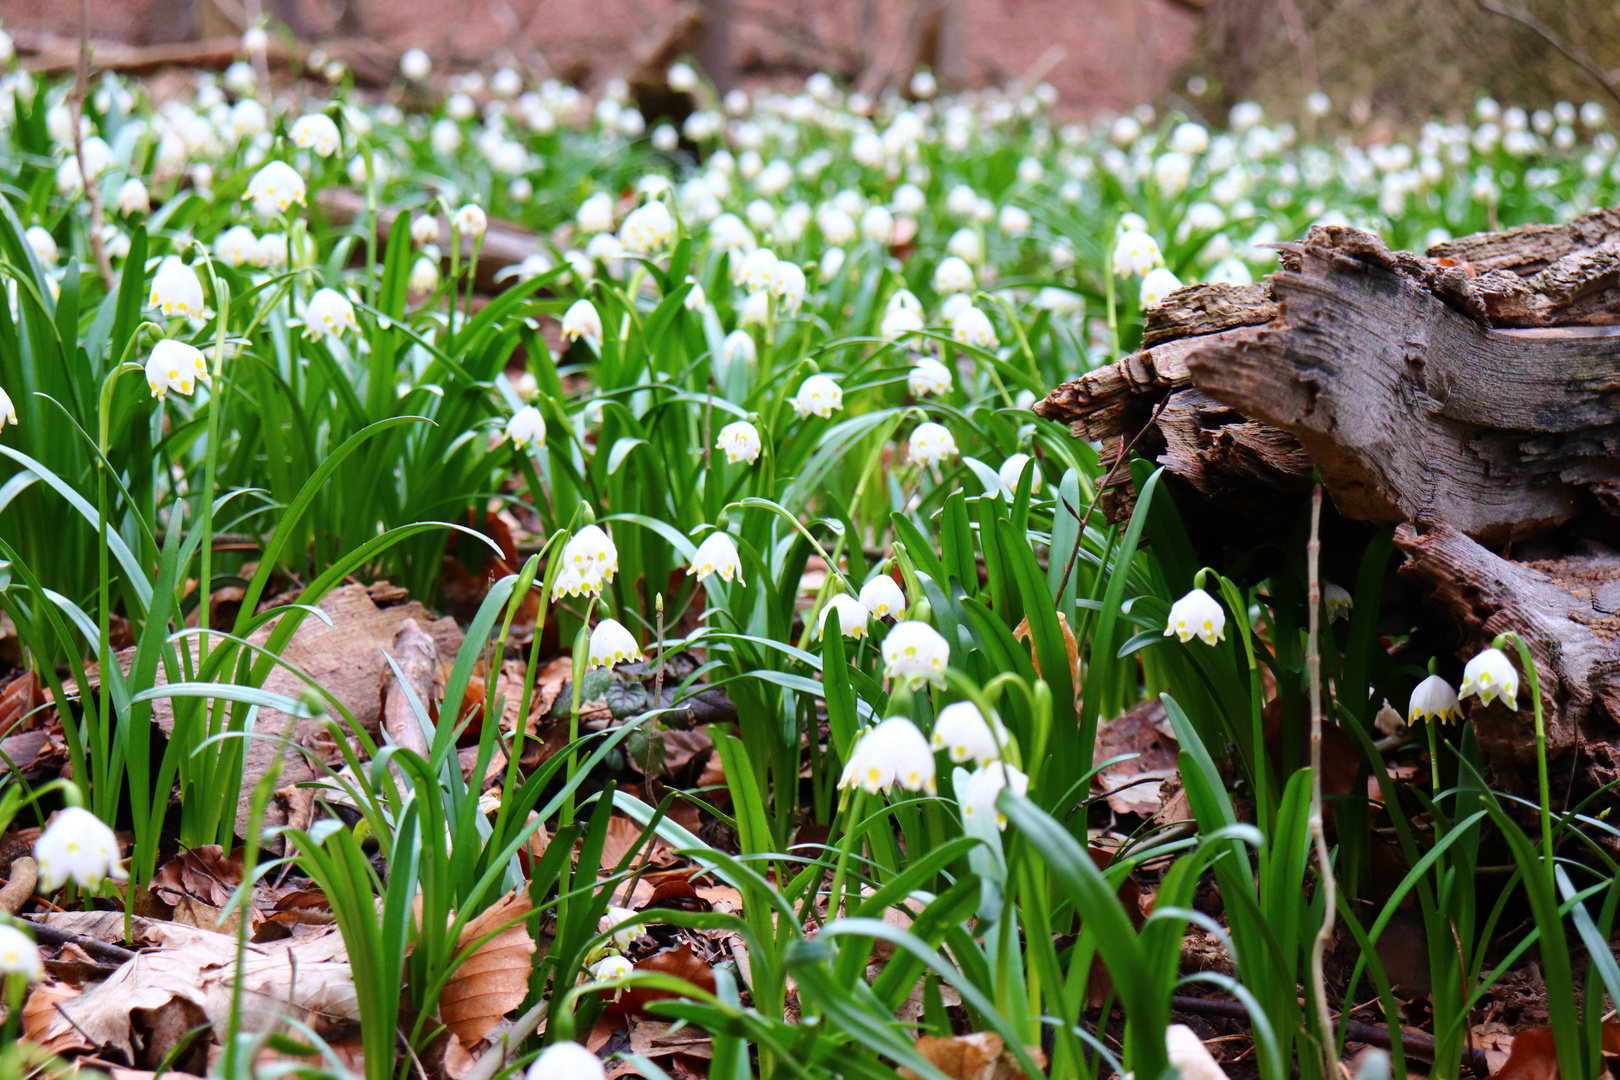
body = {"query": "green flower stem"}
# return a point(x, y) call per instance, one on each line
point(1541, 749)
point(852, 817)
point(104, 653)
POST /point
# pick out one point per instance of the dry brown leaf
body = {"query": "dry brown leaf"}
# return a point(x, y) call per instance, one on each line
point(1134, 784)
point(1021, 631)
point(655, 1038)
point(979, 1056)
point(39, 1014)
point(1534, 1056)
point(1495, 1040)
point(680, 962)
point(495, 979)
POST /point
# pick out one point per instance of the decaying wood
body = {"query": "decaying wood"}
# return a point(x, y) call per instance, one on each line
point(1567, 610)
point(1207, 309)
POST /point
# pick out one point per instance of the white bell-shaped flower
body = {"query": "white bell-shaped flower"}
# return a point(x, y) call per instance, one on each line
point(756, 272)
point(19, 955)
point(526, 428)
point(424, 229)
point(42, 243)
point(236, 246)
point(962, 730)
point(595, 214)
point(852, 616)
point(8, 411)
point(877, 225)
point(622, 936)
point(132, 197)
point(611, 644)
point(818, 396)
point(966, 245)
point(740, 441)
point(1013, 221)
point(738, 348)
point(647, 228)
point(317, 132)
point(1135, 253)
point(79, 846)
point(894, 752)
point(1189, 1056)
point(567, 1061)
point(953, 275)
point(581, 320)
point(972, 327)
point(916, 653)
point(1338, 601)
point(329, 313)
point(1012, 470)
point(1197, 615)
point(1157, 284)
point(274, 188)
point(899, 322)
point(1491, 675)
point(696, 299)
point(424, 275)
point(176, 366)
point(1433, 699)
point(931, 444)
point(882, 597)
point(589, 562)
point(470, 220)
point(977, 796)
point(928, 376)
point(176, 289)
point(717, 555)
point(788, 286)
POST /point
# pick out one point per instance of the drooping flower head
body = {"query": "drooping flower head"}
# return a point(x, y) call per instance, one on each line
point(818, 396)
point(19, 955)
point(611, 644)
point(963, 730)
point(1338, 601)
point(589, 562)
point(526, 428)
point(176, 289)
point(894, 752)
point(581, 320)
point(317, 132)
point(1012, 470)
point(882, 597)
point(928, 376)
point(647, 228)
point(470, 220)
point(176, 366)
point(1433, 699)
point(274, 188)
point(972, 327)
point(717, 555)
point(8, 411)
point(1135, 253)
point(328, 314)
point(567, 1061)
point(852, 616)
point(1157, 284)
point(1491, 675)
point(931, 444)
point(916, 654)
point(77, 845)
point(977, 796)
point(740, 441)
point(1197, 615)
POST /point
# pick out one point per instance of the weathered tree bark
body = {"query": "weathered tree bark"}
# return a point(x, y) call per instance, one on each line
point(1472, 398)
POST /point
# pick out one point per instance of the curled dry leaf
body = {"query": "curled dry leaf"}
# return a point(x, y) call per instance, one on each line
point(495, 978)
point(680, 962)
point(1533, 1055)
point(1021, 631)
point(979, 1056)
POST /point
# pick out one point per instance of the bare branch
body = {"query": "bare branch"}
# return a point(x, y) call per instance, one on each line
point(1572, 53)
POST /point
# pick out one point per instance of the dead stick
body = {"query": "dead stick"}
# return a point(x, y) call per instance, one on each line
point(1415, 1043)
point(101, 950)
point(1552, 37)
point(1324, 861)
point(92, 188)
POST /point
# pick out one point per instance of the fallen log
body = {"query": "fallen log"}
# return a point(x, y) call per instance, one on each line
point(50, 55)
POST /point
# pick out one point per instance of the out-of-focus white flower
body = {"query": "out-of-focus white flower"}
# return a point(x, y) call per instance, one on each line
point(961, 201)
point(924, 85)
point(682, 78)
point(953, 275)
point(928, 376)
point(665, 139)
point(79, 846)
point(470, 220)
point(837, 227)
point(271, 251)
point(415, 65)
point(953, 306)
point(1190, 139)
point(329, 313)
point(505, 83)
point(176, 366)
point(931, 444)
point(852, 616)
point(274, 188)
point(8, 411)
point(1189, 1056)
point(1012, 470)
point(909, 199)
point(460, 106)
point(916, 653)
point(248, 119)
point(239, 77)
point(882, 597)
point(755, 309)
point(897, 322)
point(175, 289)
point(977, 796)
point(877, 225)
point(963, 730)
point(317, 132)
point(966, 245)
point(1245, 115)
point(1318, 103)
point(717, 555)
point(1157, 284)
point(567, 1061)
point(972, 327)
point(1030, 171)
point(444, 137)
point(740, 441)
point(1171, 171)
point(132, 198)
point(19, 955)
point(1338, 601)
point(647, 228)
point(1197, 615)
point(756, 271)
point(1124, 131)
point(595, 214)
point(236, 246)
point(832, 261)
point(894, 752)
point(581, 320)
point(788, 285)
point(1135, 252)
point(1059, 301)
point(611, 644)
point(738, 348)
point(1491, 675)
point(1231, 271)
point(526, 428)
point(695, 298)
point(255, 40)
point(1433, 699)
point(424, 229)
point(424, 275)
point(589, 562)
point(42, 244)
point(818, 396)
point(1013, 221)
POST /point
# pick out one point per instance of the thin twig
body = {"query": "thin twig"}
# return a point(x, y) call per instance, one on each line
point(1313, 663)
point(92, 189)
point(1102, 485)
point(1575, 55)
